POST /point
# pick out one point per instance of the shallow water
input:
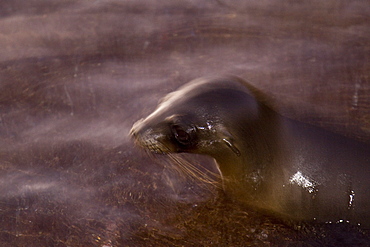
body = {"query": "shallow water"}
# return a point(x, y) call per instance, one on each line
point(75, 76)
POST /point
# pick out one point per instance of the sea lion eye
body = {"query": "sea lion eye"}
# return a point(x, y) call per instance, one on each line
point(180, 134)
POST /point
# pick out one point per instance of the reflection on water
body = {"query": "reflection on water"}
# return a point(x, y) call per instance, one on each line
point(75, 76)
point(303, 181)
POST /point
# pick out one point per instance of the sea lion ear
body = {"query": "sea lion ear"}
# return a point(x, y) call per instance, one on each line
point(231, 146)
point(227, 138)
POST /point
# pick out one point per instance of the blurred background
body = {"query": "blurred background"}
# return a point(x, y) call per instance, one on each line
point(75, 75)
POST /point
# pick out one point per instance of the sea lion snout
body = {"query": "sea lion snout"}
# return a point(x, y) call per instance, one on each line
point(137, 132)
point(136, 127)
point(153, 138)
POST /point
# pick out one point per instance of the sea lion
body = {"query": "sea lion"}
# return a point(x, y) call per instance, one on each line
point(272, 163)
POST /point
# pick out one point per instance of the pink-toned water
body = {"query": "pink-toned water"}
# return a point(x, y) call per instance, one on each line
point(75, 76)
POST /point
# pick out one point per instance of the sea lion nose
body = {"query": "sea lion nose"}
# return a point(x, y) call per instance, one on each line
point(135, 130)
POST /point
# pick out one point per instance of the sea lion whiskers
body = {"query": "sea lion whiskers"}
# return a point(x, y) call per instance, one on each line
point(192, 171)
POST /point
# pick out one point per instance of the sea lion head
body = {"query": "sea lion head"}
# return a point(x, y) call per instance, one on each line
point(200, 117)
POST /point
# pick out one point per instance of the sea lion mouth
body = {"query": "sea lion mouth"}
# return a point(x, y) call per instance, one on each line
point(153, 146)
point(150, 144)
point(149, 139)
